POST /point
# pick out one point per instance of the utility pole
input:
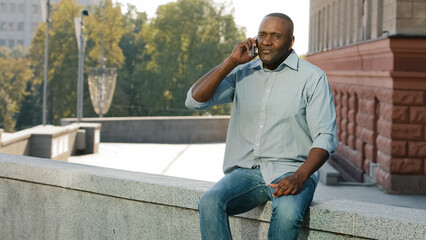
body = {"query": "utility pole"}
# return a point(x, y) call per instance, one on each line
point(80, 68)
point(46, 51)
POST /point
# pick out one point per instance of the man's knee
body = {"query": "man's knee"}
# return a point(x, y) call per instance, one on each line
point(289, 215)
point(209, 202)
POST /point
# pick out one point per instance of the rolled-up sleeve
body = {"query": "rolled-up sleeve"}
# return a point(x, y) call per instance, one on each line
point(224, 94)
point(321, 117)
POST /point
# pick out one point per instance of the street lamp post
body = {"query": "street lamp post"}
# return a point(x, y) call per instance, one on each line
point(102, 81)
point(80, 38)
point(46, 13)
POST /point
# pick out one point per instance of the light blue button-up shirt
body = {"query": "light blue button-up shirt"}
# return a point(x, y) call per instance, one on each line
point(277, 116)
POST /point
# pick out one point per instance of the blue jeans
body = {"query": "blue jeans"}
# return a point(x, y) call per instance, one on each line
point(244, 189)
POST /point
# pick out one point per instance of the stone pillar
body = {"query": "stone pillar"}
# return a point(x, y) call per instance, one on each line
point(92, 137)
point(380, 95)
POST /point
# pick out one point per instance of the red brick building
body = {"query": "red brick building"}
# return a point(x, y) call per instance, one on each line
point(374, 54)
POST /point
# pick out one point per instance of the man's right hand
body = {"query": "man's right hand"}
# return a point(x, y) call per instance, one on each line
point(205, 87)
point(240, 54)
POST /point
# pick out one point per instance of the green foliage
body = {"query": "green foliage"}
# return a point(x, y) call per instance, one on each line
point(185, 41)
point(14, 76)
point(127, 99)
point(157, 60)
point(105, 28)
point(63, 55)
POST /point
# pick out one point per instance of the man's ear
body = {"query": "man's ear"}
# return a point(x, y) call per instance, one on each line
point(292, 42)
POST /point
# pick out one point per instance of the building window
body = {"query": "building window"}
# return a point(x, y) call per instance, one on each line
point(21, 42)
point(12, 8)
point(21, 8)
point(34, 27)
point(11, 43)
point(3, 7)
point(35, 8)
point(21, 26)
point(3, 26)
point(11, 26)
point(2, 42)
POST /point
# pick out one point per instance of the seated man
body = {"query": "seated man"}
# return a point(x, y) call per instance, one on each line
point(281, 131)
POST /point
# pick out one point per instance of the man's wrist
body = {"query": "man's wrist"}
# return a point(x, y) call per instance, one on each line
point(231, 62)
point(302, 175)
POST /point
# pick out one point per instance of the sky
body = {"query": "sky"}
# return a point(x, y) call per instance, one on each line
point(249, 14)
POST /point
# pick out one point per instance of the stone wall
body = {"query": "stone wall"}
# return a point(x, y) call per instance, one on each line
point(380, 95)
point(53, 142)
point(211, 129)
point(45, 199)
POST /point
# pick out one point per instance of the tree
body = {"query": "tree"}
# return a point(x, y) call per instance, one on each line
point(63, 55)
point(105, 29)
point(185, 41)
point(127, 99)
point(15, 73)
point(157, 60)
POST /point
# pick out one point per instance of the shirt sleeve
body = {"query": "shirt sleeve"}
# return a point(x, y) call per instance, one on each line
point(224, 94)
point(321, 117)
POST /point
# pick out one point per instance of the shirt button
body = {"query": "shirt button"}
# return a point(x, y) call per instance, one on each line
point(267, 90)
point(261, 126)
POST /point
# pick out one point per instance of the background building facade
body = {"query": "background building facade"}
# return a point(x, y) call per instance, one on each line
point(19, 20)
point(374, 54)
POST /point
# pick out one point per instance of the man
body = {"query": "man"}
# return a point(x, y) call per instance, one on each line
point(281, 131)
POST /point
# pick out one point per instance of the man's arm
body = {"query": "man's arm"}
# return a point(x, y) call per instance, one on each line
point(292, 184)
point(321, 119)
point(204, 89)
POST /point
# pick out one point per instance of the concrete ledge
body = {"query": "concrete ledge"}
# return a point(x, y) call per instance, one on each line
point(180, 130)
point(45, 199)
point(53, 142)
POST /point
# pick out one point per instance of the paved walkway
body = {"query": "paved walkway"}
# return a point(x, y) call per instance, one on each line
point(204, 162)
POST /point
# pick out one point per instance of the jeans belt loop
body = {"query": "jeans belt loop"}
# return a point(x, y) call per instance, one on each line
point(255, 166)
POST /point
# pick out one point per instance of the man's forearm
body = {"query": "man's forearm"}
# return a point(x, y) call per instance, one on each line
point(316, 158)
point(293, 183)
point(204, 89)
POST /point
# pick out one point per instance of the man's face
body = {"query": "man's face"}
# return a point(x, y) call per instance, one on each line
point(273, 41)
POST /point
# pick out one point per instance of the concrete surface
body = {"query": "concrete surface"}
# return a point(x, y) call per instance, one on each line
point(47, 199)
point(204, 162)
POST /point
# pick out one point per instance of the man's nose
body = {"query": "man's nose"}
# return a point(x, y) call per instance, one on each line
point(266, 41)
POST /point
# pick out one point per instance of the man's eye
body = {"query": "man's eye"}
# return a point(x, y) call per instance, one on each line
point(275, 36)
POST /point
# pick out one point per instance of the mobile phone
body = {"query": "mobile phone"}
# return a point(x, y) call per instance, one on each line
point(253, 49)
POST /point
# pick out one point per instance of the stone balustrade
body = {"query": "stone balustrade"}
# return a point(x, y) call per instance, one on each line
point(53, 142)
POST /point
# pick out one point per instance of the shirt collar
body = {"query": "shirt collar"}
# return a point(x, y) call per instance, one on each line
point(292, 61)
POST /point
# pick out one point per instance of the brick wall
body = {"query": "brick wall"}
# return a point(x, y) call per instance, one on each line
point(380, 94)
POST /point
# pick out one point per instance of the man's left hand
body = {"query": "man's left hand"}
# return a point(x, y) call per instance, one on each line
point(289, 185)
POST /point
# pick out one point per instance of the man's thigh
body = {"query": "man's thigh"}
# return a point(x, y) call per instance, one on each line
point(294, 206)
point(240, 191)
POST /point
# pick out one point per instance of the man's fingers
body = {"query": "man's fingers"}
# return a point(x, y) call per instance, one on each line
point(280, 189)
point(284, 188)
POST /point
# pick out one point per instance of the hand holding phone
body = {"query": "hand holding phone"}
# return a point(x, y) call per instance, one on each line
point(253, 49)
